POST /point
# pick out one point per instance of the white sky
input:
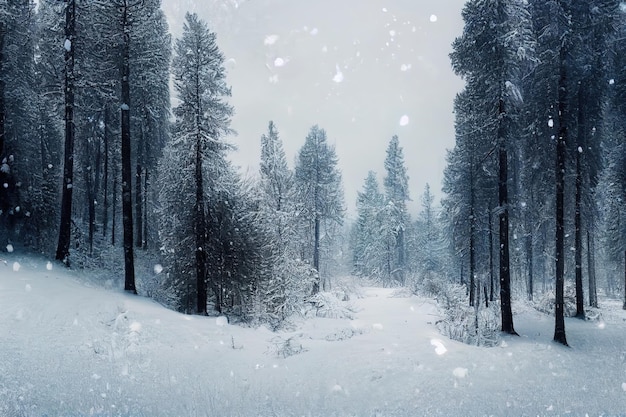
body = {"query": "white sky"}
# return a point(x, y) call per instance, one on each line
point(364, 70)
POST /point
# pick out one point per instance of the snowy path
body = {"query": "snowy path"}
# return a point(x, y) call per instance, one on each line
point(69, 349)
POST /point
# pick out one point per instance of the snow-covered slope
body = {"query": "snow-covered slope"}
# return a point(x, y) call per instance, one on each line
point(72, 348)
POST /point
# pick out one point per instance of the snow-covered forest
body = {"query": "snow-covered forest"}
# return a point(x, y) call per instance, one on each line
point(115, 173)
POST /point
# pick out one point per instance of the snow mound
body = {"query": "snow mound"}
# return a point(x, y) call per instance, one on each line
point(328, 305)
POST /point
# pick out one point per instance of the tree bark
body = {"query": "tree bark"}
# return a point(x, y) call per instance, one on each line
point(505, 273)
point(491, 269)
point(472, 248)
point(316, 255)
point(65, 228)
point(530, 266)
point(2, 89)
point(624, 306)
point(591, 267)
point(127, 203)
point(561, 150)
point(578, 241)
point(201, 233)
point(138, 205)
point(105, 179)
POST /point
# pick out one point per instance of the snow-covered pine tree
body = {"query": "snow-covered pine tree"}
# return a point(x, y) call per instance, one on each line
point(193, 162)
point(150, 57)
point(19, 142)
point(430, 258)
point(494, 52)
point(319, 194)
point(396, 184)
point(368, 245)
point(283, 292)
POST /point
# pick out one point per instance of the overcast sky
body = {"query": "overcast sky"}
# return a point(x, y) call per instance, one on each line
point(363, 70)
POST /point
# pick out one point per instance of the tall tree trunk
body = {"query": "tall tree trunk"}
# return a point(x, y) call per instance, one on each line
point(127, 203)
point(505, 273)
point(591, 265)
point(561, 150)
point(491, 269)
point(201, 233)
point(624, 306)
point(138, 205)
point(145, 209)
point(401, 257)
point(65, 228)
point(114, 209)
point(578, 241)
point(138, 189)
point(529, 262)
point(472, 248)
point(316, 255)
point(2, 88)
point(105, 179)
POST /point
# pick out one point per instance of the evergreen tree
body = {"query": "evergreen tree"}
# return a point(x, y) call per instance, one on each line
point(494, 52)
point(63, 248)
point(283, 291)
point(319, 194)
point(397, 194)
point(368, 245)
point(194, 161)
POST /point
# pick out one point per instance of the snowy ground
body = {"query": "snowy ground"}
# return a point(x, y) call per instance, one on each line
point(72, 348)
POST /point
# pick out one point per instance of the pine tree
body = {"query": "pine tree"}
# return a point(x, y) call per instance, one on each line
point(494, 52)
point(63, 248)
point(194, 160)
point(368, 245)
point(319, 193)
point(397, 194)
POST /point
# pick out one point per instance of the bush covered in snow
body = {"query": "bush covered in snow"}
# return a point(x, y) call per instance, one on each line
point(477, 325)
point(546, 303)
point(329, 305)
point(285, 347)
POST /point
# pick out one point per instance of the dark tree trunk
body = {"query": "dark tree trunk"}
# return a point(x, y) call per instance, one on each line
point(138, 205)
point(591, 267)
point(2, 88)
point(113, 209)
point(561, 150)
point(138, 189)
point(401, 257)
point(530, 266)
point(316, 255)
point(578, 241)
point(145, 209)
point(624, 306)
point(505, 273)
point(127, 203)
point(201, 233)
point(105, 179)
point(65, 228)
point(491, 268)
point(472, 248)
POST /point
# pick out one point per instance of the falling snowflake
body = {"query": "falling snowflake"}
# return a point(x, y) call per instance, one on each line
point(158, 268)
point(404, 120)
point(338, 75)
point(279, 62)
point(433, 18)
point(270, 40)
